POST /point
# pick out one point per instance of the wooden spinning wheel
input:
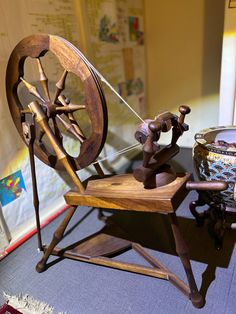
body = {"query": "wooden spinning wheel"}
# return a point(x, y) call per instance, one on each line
point(153, 187)
point(57, 107)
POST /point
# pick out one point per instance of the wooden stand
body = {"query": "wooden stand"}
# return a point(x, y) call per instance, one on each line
point(215, 214)
point(42, 123)
point(125, 193)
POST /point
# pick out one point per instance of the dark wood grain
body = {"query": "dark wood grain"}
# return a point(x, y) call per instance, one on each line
point(157, 189)
point(70, 58)
point(155, 172)
point(125, 193)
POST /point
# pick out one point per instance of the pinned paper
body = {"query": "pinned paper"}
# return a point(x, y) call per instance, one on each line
point(232, 4)
point(135, 33)
point(128, 60)
point(11, 187)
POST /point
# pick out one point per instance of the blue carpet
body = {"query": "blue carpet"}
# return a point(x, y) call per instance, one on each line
point(75, 287)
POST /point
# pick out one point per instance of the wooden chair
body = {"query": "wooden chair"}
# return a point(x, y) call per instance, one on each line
point(153, 187)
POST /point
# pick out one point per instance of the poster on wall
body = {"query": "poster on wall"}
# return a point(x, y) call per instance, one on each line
point(113, 31)
point(232, 4)
point(116, 48)
point(18, 20)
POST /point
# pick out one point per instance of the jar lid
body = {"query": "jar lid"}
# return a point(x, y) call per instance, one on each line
point(220, 139)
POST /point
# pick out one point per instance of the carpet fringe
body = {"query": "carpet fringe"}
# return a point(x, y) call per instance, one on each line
point(28, 305)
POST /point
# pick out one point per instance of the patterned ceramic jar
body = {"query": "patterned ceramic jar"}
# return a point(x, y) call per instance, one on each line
point(216, 160)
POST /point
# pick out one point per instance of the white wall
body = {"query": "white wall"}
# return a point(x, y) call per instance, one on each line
point(183, 44)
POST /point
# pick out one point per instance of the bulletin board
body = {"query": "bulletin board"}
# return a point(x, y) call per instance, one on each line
point(20, 19)
point(115, 31)
point(110, 33)
point(116, 46)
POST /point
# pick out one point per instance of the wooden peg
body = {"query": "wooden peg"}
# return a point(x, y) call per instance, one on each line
point(70, 129)
point(183, 111)
point(207, 185)
point(32, 89)
point(70, 108)
point(77, 128)
point(43, 79)
point(155, 126)
point(60, 85)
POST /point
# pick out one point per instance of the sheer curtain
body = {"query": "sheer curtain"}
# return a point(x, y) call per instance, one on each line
point(4, 234)
point(227, 112)
point(227, 106)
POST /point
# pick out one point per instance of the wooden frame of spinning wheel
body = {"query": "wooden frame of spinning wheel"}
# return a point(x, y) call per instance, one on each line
point(121, 192)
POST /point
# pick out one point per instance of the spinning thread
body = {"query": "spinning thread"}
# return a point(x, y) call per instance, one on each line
point(120, 152)
point(102, 78)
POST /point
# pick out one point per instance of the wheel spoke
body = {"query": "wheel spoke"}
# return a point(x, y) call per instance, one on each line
point(60, 85)
point(69, 127)
point(89, 127)
point(43, 79)
point(27, 110)
point(77, 128)
point(70, 107)
point(71, 117)
point(57, 130)
point(41, 134)
point(62, 100)
point(32, 89)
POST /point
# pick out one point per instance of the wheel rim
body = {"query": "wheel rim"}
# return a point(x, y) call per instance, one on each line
point(71, 59)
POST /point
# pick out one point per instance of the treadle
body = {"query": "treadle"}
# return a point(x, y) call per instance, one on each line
point(157, 269)
point(110, 241)
point(100, 245)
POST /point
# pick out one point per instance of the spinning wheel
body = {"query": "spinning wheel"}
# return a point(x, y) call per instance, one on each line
point(153, 187)
point(57, 108)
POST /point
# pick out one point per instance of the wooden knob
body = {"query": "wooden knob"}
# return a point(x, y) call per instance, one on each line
point(154, 126)
point(183, 111)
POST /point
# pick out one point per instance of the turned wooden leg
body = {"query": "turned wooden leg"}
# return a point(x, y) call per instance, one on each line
point(217, 218)
point(200, 217)
point(182, 251)
point(57, 236)
point(101, 215)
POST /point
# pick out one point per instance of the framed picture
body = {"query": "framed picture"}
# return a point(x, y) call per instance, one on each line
point(232, 4)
